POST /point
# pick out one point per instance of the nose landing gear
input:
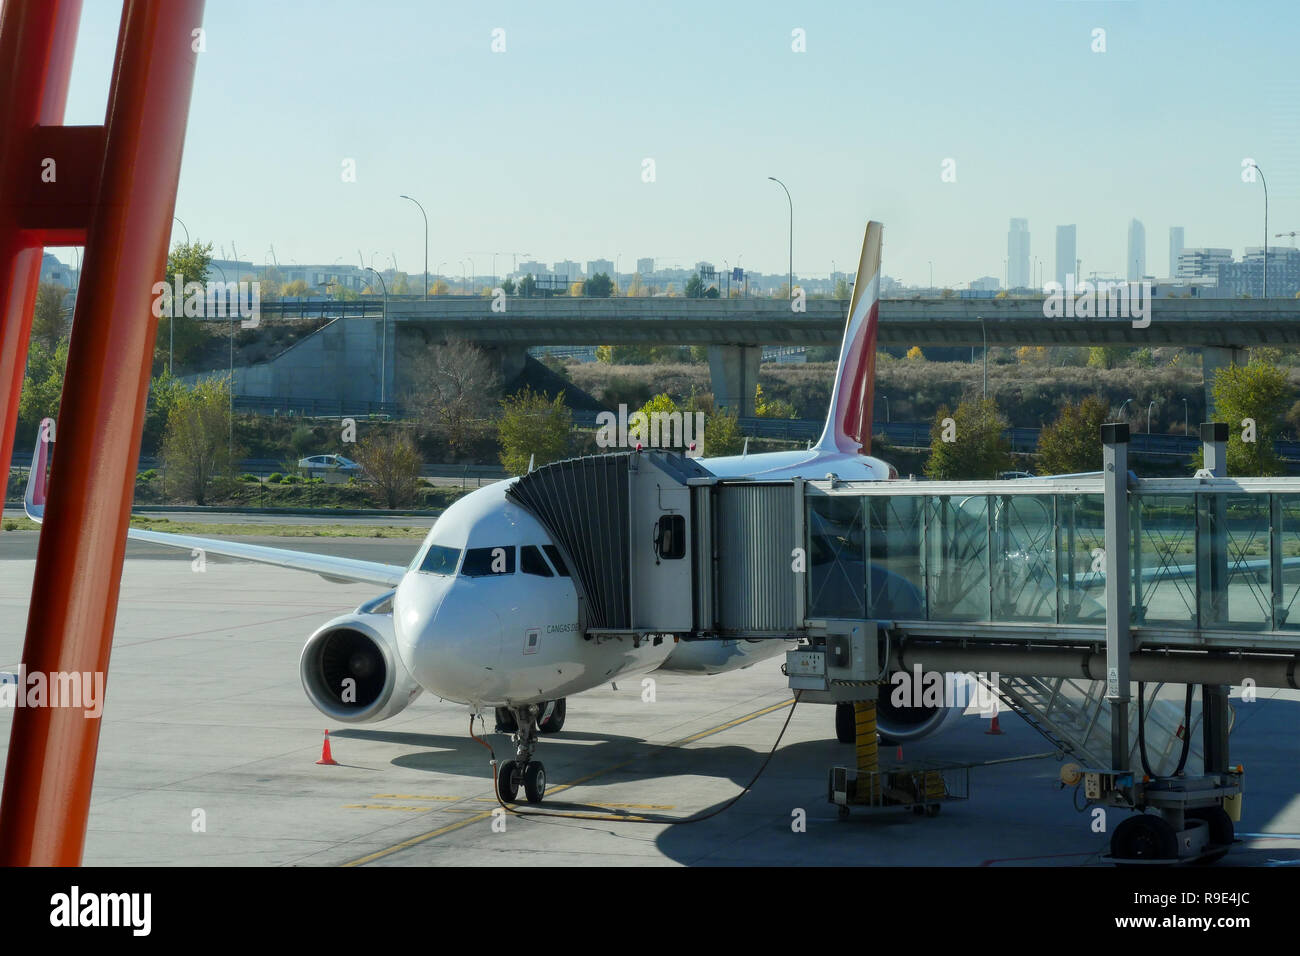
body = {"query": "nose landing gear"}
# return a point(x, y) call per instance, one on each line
point(523, 769)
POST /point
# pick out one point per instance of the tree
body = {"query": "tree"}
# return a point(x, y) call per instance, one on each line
point(968, 443)
point(42, 384)
point(575, 289)
point(298, 288)
point(49, 324)
point(599, 286)
point(179, 335)
point(915, 353)
point(508, 286)
point(533, 427)
point(195, 444)
point(636, 288)
point(452, 386)
point(390, 459)
point(527, 286)
point(1072, 443)
point(1251, 398)
point(774, 408)
point(1106, 356)
point(439, 287)
point(722, 434)
point(842, 290)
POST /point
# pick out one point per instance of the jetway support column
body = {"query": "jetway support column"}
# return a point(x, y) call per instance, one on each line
point(1214, 697)
point(1119, 640)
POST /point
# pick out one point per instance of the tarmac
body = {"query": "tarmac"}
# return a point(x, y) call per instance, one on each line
point(208, 755)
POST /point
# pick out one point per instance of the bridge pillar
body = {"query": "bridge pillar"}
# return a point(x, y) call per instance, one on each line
point(1213, 359)
point(511, 360)
point(733, 370)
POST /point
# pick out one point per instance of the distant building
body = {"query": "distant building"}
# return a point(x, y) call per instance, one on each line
point(1066, 252)
point(53, 270)
point(597, 266)
point(1175, 248)
point(569, 269)
point(1018, 254)
point(986, 284)
point(645, 266)
point(532, 268)
point(1247, 276)
point(1201, 263)
point(1136, 264)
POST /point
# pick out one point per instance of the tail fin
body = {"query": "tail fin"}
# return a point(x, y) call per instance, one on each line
point(34, 500)
point(848, 423)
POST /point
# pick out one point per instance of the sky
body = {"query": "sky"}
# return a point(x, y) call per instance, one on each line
point(542, 148)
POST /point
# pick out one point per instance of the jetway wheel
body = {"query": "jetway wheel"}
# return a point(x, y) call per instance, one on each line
point(846, 724)
point(1221, 831)
point(1144, 837)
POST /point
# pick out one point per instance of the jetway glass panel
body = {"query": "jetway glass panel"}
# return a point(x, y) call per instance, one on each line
point(1246, 603)
point(896, 576)
point(1024, 558)
point(1165, 561)
point(1286, 546)
point(837, 556)
point(1080, 539)
point(957, 558)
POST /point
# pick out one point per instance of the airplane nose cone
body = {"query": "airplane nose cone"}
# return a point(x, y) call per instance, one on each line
point(450, 642)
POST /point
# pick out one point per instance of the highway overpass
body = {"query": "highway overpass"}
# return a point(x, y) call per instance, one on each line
point(735, 329)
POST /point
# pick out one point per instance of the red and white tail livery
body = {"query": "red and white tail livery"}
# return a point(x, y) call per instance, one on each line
point(848, 424)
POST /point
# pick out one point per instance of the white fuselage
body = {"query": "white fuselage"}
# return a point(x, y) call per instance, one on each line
point(486, 614)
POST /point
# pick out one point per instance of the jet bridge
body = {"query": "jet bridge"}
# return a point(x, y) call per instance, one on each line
point(1094, 606)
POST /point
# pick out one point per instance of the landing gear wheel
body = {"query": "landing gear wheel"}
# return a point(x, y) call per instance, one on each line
point(1221, 831)
point(1144, 837)
point(846, 724)
point(508, 781)
point(506, 723)
point(553, 722)
point(534, 781)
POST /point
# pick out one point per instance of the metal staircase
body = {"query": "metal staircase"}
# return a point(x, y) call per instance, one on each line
point(1075, 717)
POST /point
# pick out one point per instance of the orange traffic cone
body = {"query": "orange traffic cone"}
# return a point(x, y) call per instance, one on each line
point(326, 757)
point(994, 728)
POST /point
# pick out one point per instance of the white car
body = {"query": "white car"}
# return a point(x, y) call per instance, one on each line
point(321, 464)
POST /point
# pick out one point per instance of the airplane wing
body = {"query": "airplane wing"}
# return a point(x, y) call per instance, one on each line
point(332, 568)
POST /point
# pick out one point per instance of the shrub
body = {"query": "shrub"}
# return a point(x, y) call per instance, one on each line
point(149, 475)
point(291, 480)
point(275, 478)
point(251, 479)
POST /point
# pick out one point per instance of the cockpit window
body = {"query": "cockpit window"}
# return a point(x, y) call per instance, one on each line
point(486, 562)
point(440, 560)
point(532, 562)
point(553, 553)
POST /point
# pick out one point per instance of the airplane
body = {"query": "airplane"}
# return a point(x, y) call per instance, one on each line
point(488, 615)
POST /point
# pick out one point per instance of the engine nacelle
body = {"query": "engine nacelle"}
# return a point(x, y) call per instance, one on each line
point(909, 721)
point(351, 669)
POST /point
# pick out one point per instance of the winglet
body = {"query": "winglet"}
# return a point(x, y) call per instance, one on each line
point(34, 499)
point(848, 423)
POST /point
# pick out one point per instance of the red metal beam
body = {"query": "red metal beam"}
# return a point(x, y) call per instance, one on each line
point(50, 770)
point(37, 41)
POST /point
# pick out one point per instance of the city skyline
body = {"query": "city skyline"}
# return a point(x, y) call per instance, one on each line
point(492, 171)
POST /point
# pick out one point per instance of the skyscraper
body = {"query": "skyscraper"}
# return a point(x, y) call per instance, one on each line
point(1018, 254)
point(1136, 264)
point(1175, 248)
point(1066, 249)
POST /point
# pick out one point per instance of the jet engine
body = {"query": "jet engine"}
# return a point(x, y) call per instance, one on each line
point(901, 723)
point(351, 669)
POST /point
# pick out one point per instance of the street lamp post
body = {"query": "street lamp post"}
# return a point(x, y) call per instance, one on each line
point(383, 344)
point(1149, 407)
point(187, 232)
point(791, 203)
point(1122, 407)
point(1265, 182)
point(426, 243)
point(886, 398)
point(1186, 422)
